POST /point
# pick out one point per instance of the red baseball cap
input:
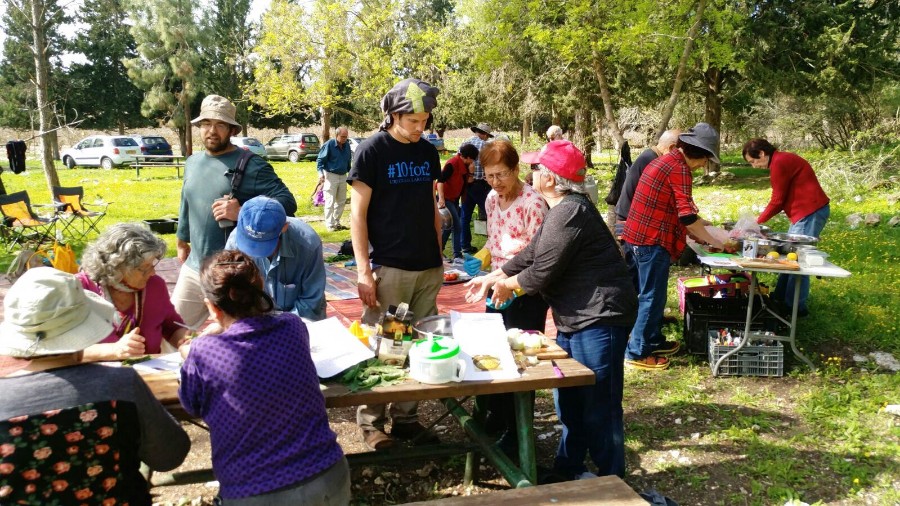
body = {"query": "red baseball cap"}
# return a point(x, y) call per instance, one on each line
point(561, 157)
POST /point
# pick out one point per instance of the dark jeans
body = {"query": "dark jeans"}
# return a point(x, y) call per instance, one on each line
point(809, 225)
point(649, 269)
point(527, 312)
point(456, 229)
point(476, 194)
point(592, 416)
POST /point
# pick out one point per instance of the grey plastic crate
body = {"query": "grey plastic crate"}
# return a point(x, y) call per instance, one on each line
point(752, 360)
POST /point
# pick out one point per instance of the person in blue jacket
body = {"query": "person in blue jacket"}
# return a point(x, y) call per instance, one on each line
point(288, 253)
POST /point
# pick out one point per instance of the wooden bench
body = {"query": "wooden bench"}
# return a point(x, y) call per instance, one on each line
point(602, 491)
point(150, 161)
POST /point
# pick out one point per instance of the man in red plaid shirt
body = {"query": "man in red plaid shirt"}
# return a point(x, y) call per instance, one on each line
point(662, 214)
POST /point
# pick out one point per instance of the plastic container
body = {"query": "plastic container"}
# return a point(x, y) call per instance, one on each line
point(758, 358)
point(436, 361)
point(729, 285)
point(703, 314)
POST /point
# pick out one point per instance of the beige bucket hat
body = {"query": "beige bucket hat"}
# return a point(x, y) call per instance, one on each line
point(218, 108)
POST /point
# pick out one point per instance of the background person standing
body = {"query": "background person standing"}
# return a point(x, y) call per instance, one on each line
point(450, 187)
point(478, 188)
point(333, 164)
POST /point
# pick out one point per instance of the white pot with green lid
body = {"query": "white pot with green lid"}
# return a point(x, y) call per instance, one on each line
point(436, 360)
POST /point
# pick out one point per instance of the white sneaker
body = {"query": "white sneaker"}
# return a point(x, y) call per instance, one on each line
point(587, 475)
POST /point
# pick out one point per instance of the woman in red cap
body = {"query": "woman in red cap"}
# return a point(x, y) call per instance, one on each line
point(575, 264)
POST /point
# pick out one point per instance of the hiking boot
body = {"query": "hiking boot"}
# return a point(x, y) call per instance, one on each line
point(414, 432)
point(667, 348)
point(377, 440)
point(650, 363)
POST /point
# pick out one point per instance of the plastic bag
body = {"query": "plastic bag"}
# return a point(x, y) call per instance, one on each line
point(746, 226)
point(64, 258)
point(318, 199)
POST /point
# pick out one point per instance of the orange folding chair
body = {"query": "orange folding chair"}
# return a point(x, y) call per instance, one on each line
point(20, 224)
point(73, 214)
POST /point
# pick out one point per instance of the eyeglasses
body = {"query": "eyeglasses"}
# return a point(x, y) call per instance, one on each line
point(206, 125)
point(147, 270)
point(498, 176)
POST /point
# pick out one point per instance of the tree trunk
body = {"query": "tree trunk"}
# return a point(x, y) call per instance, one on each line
point(526, 128)
point(583, 137)
point(679, 75)
point(188, 133)
point(714, 77)
point(42, 76)
point(606, 96)
point(326, 123)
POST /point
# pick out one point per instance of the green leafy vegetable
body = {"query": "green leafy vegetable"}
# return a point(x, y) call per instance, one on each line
point(372, 373)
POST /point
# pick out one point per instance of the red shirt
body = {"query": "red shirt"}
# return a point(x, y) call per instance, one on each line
point(663, 195)
point(795, 188)
point(454, 177)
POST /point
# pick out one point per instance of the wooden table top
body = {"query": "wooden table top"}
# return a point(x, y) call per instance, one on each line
point(164, 386)
point(602, 491)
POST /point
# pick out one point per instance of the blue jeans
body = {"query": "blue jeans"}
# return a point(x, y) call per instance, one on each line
point(649, 269)
point(476, 194)
point(591, 416)
point(456, 229)
point(809, 225)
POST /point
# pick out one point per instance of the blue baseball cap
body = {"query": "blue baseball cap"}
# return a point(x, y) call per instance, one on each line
point(259, 226)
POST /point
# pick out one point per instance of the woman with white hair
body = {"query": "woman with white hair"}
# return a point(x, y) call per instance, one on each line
point(576, 265)
point(554, 133)
point(120, 267)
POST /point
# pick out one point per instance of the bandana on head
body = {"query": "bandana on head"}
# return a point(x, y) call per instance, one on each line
point(408, 96)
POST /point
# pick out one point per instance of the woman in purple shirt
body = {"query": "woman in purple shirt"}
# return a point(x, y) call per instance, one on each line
point(256, 387)
point(120, 267)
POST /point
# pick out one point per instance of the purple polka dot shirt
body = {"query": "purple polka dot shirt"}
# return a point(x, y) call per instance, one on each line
point(256, 387)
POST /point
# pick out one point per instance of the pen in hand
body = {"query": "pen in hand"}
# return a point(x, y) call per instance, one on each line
point(556, 370)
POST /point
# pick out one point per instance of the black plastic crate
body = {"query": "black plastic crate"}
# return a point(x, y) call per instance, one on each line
point(702, 314)
point(759, 358)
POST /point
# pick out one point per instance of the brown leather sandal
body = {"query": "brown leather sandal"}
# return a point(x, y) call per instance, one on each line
point(377, 440)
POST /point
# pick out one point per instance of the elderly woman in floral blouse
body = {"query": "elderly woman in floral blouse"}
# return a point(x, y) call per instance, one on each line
point(515, 212)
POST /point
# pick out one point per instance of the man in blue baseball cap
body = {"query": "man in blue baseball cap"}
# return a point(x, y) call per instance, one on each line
point(288, 253)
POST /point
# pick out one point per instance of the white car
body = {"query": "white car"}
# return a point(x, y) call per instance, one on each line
point(354, 142)
point(251, 144)
point(105, 151)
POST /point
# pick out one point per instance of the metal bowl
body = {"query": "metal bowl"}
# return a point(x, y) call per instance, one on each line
point(788, 243)
point(437, 325)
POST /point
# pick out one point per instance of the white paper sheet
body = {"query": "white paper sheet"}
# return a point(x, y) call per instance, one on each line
point(167, 362)
point(483, 334)
point(334, 348)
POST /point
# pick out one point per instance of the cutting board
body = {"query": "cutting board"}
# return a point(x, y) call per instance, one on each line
point(759, 263)
point(552, 351)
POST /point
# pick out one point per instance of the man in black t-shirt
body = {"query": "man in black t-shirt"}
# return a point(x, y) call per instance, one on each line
point(392, 208)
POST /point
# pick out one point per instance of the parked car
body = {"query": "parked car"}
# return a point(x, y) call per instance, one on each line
point(293, 147)
point(354, 142)
point(153, 145)
point(251, 144)
point(105, 151)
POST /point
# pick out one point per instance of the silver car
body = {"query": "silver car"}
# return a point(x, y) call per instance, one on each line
point(293, 147)
point(251, 144)
point(105, 151)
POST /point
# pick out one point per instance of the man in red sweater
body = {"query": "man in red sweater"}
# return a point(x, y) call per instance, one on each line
point(450, 187)
point(796, 191)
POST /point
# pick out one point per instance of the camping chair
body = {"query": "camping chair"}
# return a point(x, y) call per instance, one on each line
point(20, 224)
point(76, 219)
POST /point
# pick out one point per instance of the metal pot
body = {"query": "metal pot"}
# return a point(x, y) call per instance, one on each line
point(788, 243)
point(437, 325)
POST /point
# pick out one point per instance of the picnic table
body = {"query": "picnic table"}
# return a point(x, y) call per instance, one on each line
point(721, 261)
point(164, 386)
point(148, 161)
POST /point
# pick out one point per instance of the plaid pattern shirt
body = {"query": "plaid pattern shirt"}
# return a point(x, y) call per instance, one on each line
point(662, 196)
point(478, 143)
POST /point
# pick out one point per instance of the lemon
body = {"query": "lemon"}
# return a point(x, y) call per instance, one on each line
point(792, 256)
point(773, 255)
